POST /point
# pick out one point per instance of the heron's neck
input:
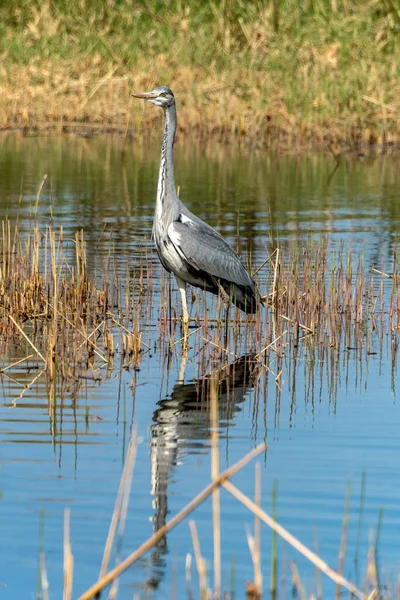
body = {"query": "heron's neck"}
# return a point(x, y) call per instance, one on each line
point(167, 199)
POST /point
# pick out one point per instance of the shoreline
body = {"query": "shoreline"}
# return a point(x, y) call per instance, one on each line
point(322, 77)
point(276, 139)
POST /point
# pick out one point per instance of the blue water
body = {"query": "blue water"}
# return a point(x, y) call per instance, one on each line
point(321, 444)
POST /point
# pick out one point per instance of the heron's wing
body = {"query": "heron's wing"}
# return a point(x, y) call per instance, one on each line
point(205, 250)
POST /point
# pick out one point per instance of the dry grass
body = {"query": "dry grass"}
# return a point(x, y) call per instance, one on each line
point(290, 75)
point(319, 304)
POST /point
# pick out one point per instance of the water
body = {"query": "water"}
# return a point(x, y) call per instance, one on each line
point(327, 430)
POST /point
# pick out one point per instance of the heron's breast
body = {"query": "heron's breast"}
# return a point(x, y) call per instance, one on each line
point(170, 256)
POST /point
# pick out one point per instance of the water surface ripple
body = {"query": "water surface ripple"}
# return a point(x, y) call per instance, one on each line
point(331, 425)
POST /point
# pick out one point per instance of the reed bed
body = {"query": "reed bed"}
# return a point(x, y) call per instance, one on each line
point(323, 306)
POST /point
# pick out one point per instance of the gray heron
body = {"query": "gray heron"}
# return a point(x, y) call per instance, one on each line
point(186, 245)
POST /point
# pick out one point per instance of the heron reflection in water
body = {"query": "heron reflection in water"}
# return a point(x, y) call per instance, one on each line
point(186, 245)
point(181, 423)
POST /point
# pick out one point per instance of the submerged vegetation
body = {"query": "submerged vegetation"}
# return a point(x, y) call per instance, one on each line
point(289, 74)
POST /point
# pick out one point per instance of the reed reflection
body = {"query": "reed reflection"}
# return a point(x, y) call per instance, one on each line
point(181, 423)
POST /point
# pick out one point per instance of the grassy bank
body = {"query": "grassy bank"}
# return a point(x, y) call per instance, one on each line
point(285, 73)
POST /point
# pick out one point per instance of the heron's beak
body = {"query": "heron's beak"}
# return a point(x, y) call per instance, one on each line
point(145, 95)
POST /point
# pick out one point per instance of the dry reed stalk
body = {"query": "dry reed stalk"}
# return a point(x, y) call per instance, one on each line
point(87, 339)
point(27, 339)
point(371, 568)
point(297, 581)
point(271, 345)
point(182, 339)
point(38, 194)
point(218, 347)
point(214, 477)
point(200, 562)
point(308, 329)
point(18, 362)
point(138, 337)
point(265, 262)
point(276, 271)
point(52, 346)
point(188, 568)
point(68, 558)
point(381, 273)
point(294, 542)
point(134, 556)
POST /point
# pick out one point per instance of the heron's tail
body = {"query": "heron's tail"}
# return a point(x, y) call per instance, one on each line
point(246, 298)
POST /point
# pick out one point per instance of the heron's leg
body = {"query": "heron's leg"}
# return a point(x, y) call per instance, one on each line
point(227, 307)
point(185, 314)
point(182, 289)
point(227, 303)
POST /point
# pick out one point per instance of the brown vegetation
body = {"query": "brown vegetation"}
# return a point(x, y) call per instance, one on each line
point(290, 75)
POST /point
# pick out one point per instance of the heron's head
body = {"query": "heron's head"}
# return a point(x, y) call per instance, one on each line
point(160, 96)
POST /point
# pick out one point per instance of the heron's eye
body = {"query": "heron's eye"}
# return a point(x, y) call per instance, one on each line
point(163, 94)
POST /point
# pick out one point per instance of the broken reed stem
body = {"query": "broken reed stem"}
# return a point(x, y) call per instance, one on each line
point(216, 493)
point(27, 339)
point(17, 362)
point(271, 344)
point(68, 558)
point(134, 556)
point(39, 192)
point(297, 585)
point(297, 323)
point(86, 336)
point(200, 562)
point(267, 260)
point(294, 542)
point(276, 269)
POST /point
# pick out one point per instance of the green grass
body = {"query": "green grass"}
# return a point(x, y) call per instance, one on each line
point(319, 71)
